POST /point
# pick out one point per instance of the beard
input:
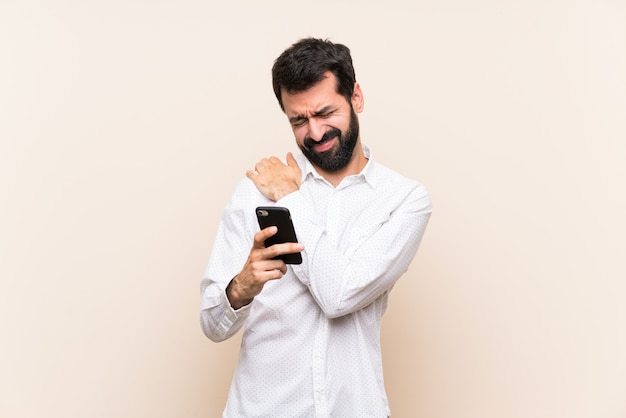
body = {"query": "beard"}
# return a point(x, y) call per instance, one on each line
point(340, 154)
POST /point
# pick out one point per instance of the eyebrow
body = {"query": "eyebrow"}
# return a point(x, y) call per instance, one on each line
point(322, 111)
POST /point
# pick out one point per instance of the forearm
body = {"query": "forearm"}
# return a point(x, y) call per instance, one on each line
point(345, 273)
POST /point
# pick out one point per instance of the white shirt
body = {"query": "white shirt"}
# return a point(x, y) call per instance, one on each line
point(311, 346)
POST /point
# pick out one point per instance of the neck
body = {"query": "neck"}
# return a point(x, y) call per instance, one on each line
point(355, 166)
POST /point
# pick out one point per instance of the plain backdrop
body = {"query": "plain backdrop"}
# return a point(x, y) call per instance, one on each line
point(125, 125)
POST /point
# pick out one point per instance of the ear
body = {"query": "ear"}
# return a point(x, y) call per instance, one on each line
point(357, 99)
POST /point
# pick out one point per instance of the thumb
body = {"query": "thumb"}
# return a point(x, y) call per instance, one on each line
point(262, 235)
point(291, 161)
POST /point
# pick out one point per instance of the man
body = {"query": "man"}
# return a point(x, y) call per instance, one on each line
point(311, 346)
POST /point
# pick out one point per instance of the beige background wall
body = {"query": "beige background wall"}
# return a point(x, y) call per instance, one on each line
point(124, 126)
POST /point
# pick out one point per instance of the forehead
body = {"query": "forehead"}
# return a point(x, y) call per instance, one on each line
point(320, 95)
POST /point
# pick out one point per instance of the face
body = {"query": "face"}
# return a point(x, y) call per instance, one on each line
point(325, 124)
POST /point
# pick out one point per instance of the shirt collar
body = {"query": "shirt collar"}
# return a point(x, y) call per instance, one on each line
point(367, 174)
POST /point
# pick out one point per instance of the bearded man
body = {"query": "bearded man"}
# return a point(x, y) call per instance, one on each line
point(311, 345)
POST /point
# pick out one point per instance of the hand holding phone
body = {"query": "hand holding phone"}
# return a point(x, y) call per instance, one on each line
point(281, 218)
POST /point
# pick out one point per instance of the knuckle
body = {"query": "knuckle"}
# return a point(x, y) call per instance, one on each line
point(271, 252)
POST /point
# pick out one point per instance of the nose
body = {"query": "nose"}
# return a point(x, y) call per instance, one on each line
point(316, 129)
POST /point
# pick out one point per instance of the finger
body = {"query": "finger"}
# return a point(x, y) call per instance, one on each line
point(261, 164)
point(283, 268)
point(251, 174)
point(275, 160)
point(269, 270)
point(262, 235)
point(276, 274)
point(282, 249)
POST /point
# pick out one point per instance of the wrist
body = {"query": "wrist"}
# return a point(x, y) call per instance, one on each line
point(234, 297)
point(279, 194)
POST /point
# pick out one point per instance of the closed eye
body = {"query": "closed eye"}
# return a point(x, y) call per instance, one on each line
point(325, 112)
point(301, 120)
point(298, 122)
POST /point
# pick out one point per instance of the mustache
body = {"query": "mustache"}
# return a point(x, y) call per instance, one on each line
point(330, 134)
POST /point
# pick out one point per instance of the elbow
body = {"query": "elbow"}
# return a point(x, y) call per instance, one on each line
point(334, 314)
point(336, 309)
point(350, 302)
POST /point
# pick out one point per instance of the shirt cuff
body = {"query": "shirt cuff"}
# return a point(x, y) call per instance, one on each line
point(230, 316)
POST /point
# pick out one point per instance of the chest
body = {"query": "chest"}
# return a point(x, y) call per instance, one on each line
point(348, 215)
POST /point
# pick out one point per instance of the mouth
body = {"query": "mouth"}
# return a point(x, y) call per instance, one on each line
point(325, 145)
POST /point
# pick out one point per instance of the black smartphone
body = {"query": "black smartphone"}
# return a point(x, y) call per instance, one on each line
point(280, 217)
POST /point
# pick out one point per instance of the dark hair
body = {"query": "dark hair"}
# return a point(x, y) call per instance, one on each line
point(304, 63)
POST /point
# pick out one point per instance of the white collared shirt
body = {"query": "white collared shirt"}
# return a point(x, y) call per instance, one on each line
point(311, 346)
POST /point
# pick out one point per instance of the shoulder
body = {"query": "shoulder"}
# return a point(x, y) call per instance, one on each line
point(383, 176)
point(246, 196)
point(390, 184)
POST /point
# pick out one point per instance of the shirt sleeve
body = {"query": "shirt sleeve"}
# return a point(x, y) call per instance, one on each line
point(231, 247)
point(345, 280)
